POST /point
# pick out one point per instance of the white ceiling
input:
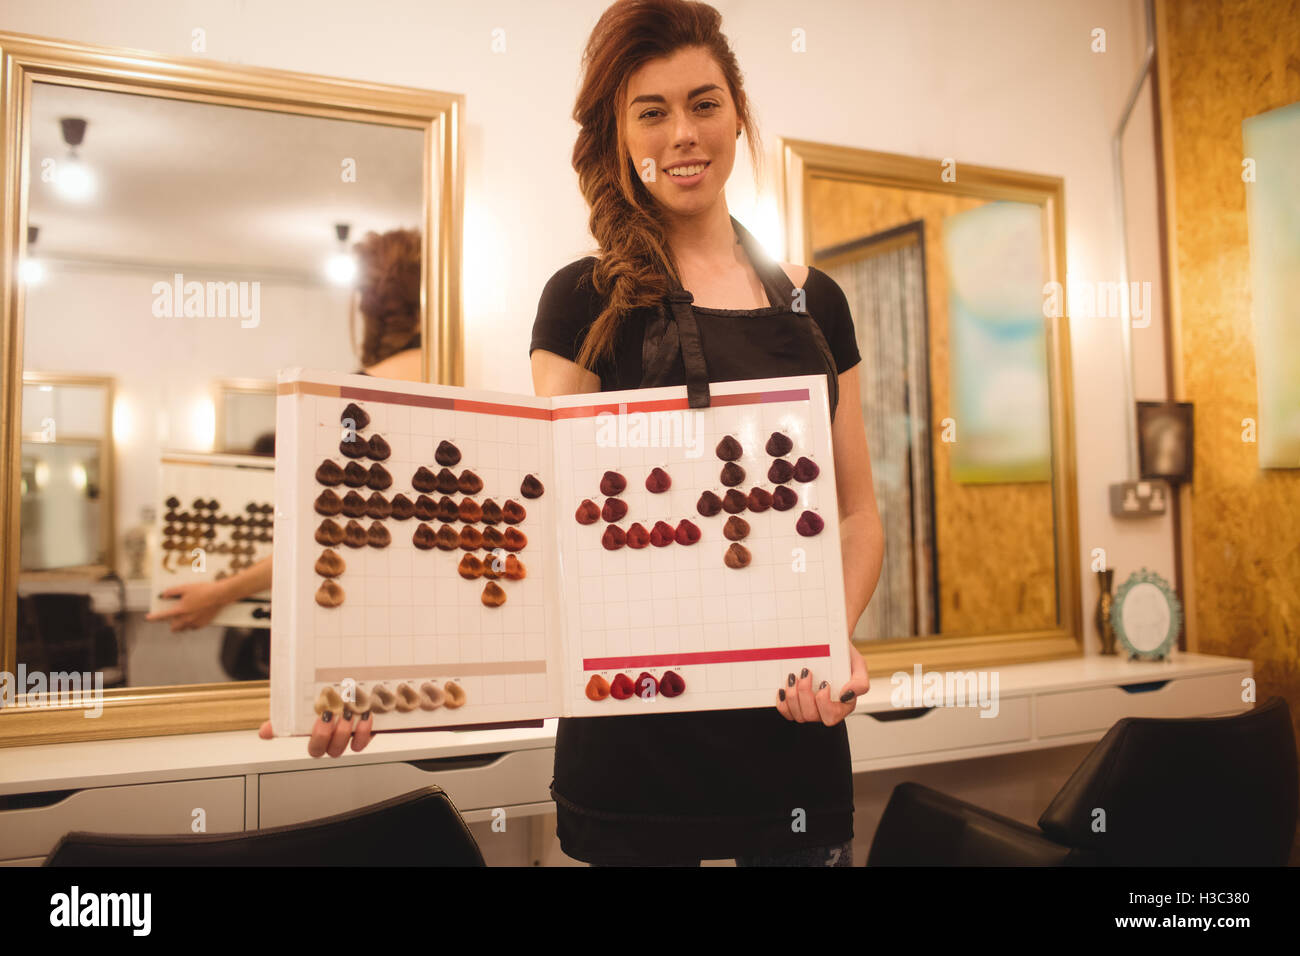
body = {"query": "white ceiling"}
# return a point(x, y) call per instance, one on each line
point(194, 184)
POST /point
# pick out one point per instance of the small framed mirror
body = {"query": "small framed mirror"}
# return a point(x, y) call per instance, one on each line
point(66, 487)
point(245, 417)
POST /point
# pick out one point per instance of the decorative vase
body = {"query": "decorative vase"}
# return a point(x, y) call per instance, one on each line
point(1105, 601)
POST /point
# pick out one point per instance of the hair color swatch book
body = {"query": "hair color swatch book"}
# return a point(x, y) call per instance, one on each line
point(448, 556)
point(214, 520)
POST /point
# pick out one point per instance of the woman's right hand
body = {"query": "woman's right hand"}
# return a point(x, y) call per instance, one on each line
point(331, 737)
point(198, 605)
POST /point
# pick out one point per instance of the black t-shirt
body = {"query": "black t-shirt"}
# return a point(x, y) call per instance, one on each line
point(569, 304)
point(677, 787)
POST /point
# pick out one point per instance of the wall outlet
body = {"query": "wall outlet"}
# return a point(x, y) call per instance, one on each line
point(1139, 499)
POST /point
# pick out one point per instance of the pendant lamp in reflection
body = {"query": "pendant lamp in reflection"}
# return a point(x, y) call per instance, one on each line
point(341, 267)
point(72, 178)
point(33, 271)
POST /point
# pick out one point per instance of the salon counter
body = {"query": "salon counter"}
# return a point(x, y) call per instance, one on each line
point(233, 781)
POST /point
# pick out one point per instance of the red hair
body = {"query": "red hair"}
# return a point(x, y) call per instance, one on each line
point(389, 283)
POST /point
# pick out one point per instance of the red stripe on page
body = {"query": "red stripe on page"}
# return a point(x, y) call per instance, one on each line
point(707, 657)
point(674, 404)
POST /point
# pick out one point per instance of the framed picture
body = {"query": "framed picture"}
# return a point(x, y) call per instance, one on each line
point(1165, 440)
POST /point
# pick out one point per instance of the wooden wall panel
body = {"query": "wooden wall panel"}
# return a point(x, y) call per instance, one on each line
point(1226, 60)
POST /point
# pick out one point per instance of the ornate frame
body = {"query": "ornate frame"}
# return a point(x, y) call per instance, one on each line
point(27, 59)
point(1170, 640)
point(799, 162)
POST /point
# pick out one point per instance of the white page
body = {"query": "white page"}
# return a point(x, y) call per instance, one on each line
point(731, 634)
point(408, 616)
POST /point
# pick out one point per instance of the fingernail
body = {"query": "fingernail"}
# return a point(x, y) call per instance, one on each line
point(803, 673)
point(822, 685)
point(327, 716)
point(847, 696)
point(347, 713)
point(781, 693)
point(366, 715)
point(790, 680)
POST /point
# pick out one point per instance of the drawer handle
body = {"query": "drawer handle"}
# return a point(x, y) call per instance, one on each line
point(1143, 688)
point(468, 762)
point(30, 801)
point(905, 713)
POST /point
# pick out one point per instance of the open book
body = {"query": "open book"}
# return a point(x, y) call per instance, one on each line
point(214, 520)
point(451, 557)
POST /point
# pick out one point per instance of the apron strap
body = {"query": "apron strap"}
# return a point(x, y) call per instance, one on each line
point(777, 285)
point(780, 291)
point(688, 335)
point(665, 339)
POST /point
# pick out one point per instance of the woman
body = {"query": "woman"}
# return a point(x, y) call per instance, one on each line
point(681, 291)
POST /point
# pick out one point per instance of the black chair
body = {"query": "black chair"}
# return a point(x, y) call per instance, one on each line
point(421, 828)
point(61, 632)
point(1195, 791)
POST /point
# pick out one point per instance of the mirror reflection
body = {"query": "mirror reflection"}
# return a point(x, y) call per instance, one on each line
point(217, 244)
point(245, 417)
point(947, 293)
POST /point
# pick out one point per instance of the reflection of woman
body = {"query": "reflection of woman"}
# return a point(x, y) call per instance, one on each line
point(771, 785)
point(389, 292)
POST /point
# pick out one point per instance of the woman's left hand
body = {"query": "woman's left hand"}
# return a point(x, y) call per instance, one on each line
point(799, 702)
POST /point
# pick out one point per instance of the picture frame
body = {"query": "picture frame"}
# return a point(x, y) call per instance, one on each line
point(1165, 440)
point(1147, 616)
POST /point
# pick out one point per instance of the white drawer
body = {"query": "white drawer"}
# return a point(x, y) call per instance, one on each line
point(892, 733)
point(1097, 708)
point(473, 782)
point(140, 808)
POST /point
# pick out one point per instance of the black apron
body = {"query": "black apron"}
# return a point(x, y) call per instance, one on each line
point(678, 788)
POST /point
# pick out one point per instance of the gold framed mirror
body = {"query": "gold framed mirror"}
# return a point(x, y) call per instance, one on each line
point(955, 276)
point(128, 175)
point(244, 415)
point(67, 476)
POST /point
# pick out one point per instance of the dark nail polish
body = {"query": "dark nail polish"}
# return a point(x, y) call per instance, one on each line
point(781, 693)
point(327, 716)
point(822, 685)
point(347, 713)
point(790, 680)
point(847, 696)
point(366, 715)
point(803, 673)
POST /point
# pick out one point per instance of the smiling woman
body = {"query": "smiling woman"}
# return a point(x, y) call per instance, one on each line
point(661, 108)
